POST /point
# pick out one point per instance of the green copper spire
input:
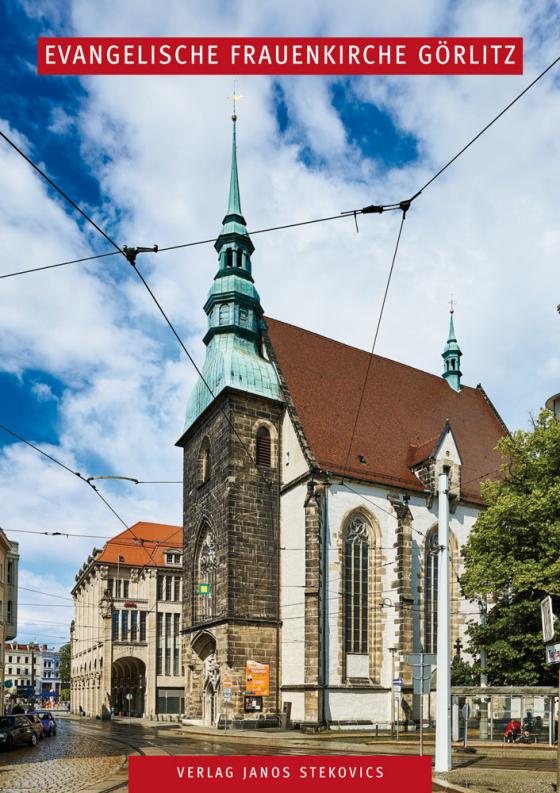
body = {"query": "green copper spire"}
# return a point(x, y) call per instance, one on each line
point(234, 203)
point(452, 356)
point(234, 348)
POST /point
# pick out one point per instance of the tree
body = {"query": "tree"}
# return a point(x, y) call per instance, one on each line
point(64, 658)
point(511, 556)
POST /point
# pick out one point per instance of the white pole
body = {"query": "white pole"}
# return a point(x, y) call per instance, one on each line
point(443, 698)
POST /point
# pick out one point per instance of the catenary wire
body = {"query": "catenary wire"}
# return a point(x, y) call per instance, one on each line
point(380, 317)
point(487, 127)
point(37, 449)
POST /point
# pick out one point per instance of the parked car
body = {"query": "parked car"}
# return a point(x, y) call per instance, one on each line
point(48, 722)
point(15, 731)
point(37, 725)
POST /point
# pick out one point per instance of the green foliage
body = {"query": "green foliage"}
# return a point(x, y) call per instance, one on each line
point(463, 673)
point(65, 695)
point(65, 654)
point(512, 557)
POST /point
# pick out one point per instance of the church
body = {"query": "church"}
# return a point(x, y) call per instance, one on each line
point(310, 511)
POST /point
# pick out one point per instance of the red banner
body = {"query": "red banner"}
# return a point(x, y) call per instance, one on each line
point(326, 774)
point(280, 56)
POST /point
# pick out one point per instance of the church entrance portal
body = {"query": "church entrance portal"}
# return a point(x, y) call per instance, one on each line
point(204, 645)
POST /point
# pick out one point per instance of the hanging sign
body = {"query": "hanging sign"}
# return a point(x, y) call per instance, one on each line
point(257, 679)
point(203, 589)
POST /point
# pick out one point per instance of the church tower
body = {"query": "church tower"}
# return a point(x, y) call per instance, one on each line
point(231, 494)
point(452, 357)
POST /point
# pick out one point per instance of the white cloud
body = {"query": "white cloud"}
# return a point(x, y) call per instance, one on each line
point(486, 231)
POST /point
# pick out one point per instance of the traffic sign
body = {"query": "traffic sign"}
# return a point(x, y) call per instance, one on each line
point(422, 664)
point(8, 684)
point(553, 653)
point(227, 681)
point(227, 694)
point(397, 681)
point(430, 659)
point(129, 696)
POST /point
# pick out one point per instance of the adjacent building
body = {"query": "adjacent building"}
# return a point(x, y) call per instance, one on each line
point(50, 682)
point(311, 508)
point(9, 559)
point(126, 632)
point(23, 668)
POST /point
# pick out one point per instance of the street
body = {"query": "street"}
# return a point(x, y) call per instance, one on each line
point(86, 752)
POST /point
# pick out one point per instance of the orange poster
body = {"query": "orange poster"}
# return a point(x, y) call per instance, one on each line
point(257, 678)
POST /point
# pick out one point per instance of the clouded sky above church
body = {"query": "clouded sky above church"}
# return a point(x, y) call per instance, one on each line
point(89, 371)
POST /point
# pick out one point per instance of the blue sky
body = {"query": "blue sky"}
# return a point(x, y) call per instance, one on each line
point(89, 371)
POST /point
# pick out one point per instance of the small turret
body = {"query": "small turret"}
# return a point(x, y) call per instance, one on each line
point(452, 357)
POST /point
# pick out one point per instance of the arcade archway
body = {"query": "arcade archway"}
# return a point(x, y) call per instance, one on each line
point(128, 676)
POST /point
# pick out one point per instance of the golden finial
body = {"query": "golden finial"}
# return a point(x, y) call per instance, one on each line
point(234, 98)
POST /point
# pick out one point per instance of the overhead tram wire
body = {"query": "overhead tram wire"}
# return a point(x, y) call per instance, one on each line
point(58, 264)
point(365, 210)
point(82, 478)
point(404, 207)
point(130, 256)
point(487, 127)
point(66, 468)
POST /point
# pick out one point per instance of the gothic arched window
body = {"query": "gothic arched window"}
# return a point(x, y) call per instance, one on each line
point(357, 546)
point(205, 576)
point(204, 462)
point(263, 446)
point(431, 563)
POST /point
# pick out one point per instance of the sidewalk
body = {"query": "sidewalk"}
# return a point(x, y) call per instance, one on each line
point(358, 741)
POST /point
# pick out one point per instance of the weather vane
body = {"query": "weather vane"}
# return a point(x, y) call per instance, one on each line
point(234, 98)
point(452, 303)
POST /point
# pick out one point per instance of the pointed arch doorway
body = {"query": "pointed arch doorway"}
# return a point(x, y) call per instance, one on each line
point(204, 645)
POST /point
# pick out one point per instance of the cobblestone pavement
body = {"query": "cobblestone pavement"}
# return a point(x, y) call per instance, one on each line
point(68, 762)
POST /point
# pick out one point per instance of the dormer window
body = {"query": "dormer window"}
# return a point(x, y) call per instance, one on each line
point(173, 557)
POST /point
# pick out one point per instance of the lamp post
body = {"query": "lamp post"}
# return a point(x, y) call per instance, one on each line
point(443, 701)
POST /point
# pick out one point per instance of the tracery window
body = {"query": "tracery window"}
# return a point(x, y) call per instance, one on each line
point(431, 563)
point(205, 576)
point(358, 553)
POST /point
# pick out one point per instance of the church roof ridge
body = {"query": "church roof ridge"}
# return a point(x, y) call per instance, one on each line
point(402, 405)
point(361, 350)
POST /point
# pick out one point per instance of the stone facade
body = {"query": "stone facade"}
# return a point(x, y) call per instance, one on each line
point(238, 507)
point(126, 632)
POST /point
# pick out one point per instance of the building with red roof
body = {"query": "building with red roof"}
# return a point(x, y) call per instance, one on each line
point(126, 632)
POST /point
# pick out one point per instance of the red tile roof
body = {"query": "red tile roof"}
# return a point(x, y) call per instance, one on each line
point(142, 544)
point(402, 408)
